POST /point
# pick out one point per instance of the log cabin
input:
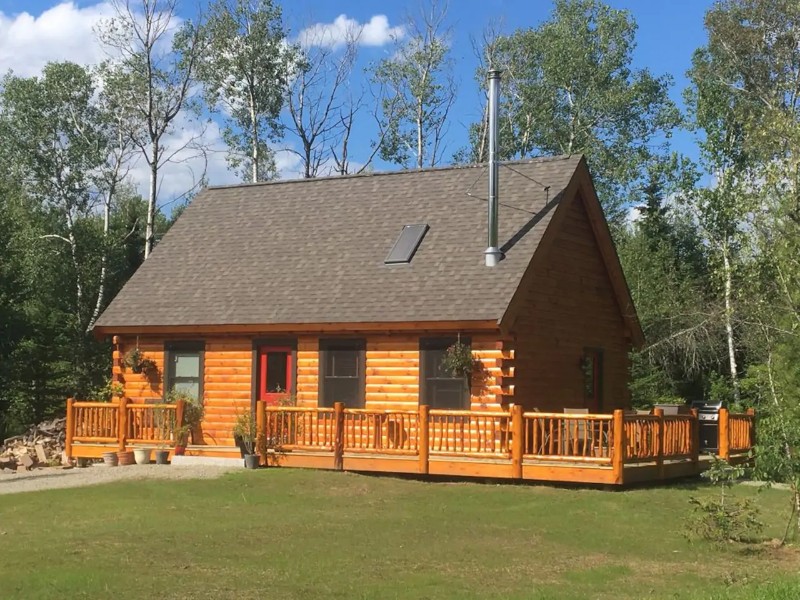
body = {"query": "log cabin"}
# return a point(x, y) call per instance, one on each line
point(345, 298)
point(350, 289)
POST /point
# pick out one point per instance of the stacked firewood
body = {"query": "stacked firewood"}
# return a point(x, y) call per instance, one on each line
point(42, 444)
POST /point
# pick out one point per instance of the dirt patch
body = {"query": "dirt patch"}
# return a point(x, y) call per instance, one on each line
point(53, 478)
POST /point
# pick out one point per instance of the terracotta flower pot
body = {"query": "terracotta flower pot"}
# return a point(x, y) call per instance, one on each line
point(110, 459)
point(180, 450)
point(125, 458)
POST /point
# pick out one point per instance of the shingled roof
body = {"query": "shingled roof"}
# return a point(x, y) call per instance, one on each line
point(312, 251)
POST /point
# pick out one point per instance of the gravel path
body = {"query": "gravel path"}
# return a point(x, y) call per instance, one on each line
point(51, 478)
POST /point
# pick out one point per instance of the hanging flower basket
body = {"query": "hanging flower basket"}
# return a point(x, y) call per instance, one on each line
point(458, 360)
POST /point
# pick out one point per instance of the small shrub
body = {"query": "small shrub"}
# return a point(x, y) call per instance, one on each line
point(112, 389)
point(723, 519)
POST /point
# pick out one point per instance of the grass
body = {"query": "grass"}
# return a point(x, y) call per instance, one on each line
point(290, 534)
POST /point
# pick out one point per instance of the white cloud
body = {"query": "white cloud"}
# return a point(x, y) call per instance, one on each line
point(375, 32)
point(63, 32)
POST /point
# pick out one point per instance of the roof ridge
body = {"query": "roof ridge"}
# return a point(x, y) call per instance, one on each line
point(522, 161)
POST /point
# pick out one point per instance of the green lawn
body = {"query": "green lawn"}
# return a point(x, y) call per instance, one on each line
point(285, 534)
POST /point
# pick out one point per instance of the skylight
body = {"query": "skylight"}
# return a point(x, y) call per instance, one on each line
point(407, 244)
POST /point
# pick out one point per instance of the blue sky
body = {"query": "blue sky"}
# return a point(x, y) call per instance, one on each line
point(34, 31)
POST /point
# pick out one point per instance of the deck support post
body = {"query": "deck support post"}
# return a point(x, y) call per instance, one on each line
point(724, 441)
point(122, 422)
point(618, 454)
point(70, 434)
point(261, 431)
point(424, 438)
point(659, 414)
point(517, 432)
point(695, 441)
point(338, 447)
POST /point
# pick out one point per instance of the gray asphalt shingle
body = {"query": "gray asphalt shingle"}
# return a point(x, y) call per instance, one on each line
point(312, 251)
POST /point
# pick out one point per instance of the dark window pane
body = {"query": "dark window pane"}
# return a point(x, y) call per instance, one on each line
point(276, 372)
point(447, 393)
point(442, 390)
point(341, 377)
point(343, 363)
point(407, 244)
point(342, 390)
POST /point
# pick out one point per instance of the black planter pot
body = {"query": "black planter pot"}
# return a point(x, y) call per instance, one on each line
point(251, 461)
point(162, 457)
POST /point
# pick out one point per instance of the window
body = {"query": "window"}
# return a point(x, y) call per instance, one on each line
point(406, 245)
point(592, 365)
point(342, 364)
point(438, 388)
point(184, 367)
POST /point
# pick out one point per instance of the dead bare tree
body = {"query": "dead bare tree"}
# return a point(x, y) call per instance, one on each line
point(319, 104)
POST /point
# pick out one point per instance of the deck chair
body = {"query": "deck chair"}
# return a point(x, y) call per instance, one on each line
point(570, 431)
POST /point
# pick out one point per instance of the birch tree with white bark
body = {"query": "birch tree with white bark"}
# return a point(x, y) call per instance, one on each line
point(151, 76)
point(416, 90)
point(244, 72)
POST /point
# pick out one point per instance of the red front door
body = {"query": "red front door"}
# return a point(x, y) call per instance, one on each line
point(274, 373)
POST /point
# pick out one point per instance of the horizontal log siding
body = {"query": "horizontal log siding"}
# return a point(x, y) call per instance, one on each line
point(227, 387)
point(570, 305)
point(138, 387)
point(227, 380)
point(307, 371)
point(392, 376)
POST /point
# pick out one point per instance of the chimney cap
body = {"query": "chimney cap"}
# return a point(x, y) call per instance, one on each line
point(495, 73)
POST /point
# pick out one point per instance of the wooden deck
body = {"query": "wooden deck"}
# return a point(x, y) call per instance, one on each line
point(605, 449)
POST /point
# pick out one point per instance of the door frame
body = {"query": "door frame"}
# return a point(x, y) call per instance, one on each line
point(289, 343)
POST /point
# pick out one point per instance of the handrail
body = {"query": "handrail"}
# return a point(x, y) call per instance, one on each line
point(93, 404)
point(576, 437)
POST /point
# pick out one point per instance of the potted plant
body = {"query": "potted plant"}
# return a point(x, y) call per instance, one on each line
point(181, 439)
point(192, 414)
point(164, 423)
point(135, 360)
point(244, 431)
point(458, 360)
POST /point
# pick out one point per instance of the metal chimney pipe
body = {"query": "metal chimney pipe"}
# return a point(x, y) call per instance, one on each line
point(493, 255)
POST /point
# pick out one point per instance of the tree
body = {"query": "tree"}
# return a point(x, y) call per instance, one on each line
point(320, 104)
point(662, 250)
point(244, 72)
point(746, 99)
point(54, 135)
point(416, 92)
point(150, 80)
point(569, 87)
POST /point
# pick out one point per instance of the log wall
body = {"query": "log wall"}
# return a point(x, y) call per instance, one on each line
point(392, 375)
point(568, 306)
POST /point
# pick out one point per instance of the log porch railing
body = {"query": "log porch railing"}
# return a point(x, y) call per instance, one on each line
point(592, 448)
point(120, 423)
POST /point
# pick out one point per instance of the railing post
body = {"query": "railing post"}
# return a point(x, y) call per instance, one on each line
point(517, 433)
point(122, 422)
point(659, 413)
point(424, 438)
point(338, 447)
point(724, 441)
point(70, 428)
point(261, 430)
point(695, 441)
point(618, 458)
point(752, 412)
point(179, 406)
